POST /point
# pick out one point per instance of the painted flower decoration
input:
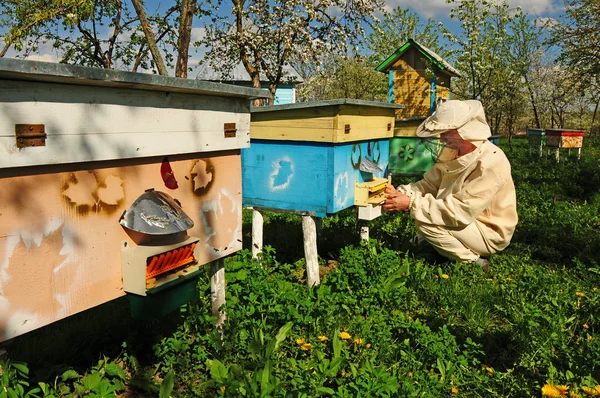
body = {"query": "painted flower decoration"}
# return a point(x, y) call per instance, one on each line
point(407, 153)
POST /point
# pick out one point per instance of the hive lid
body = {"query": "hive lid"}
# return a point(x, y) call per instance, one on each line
point(156, 213)
point(18, 69)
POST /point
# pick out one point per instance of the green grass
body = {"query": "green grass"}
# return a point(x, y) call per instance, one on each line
point(420, 325)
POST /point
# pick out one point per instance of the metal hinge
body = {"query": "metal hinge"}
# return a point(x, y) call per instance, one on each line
point(30, 135)
point(229, 129)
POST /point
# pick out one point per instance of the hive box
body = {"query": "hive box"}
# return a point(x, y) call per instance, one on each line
point(408, 157)
point(564, 138)
point(77, 147)
point(306, 156)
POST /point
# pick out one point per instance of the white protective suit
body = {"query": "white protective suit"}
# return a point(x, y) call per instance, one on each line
point(465, 208)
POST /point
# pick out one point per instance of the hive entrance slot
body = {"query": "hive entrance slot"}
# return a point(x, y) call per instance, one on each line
point(170, 260)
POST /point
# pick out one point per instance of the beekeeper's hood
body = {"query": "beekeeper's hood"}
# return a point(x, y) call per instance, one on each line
point(467, 117)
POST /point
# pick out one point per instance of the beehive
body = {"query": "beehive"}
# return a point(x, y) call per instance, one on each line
point(77, 146)
point(307, 156)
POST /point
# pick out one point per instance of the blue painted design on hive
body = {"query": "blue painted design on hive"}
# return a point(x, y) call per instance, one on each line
point(282, 174)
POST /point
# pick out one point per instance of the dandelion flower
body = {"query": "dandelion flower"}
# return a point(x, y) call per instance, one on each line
point(586, 326)
point(306, 346)
point(589, 391)
point(489, 279)
point(551, 391)
point(489, 370)
point(300, 341)
point(509, 279)
point(454, 390)
point(445, 276)
point(368, 345)
point(580, 294)
point(345, 335)
point(358, 341)
point(314, 372)
point(589, 338)
point(564, 390)
point(323, 338)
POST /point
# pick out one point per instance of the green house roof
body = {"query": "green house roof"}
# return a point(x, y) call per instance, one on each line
point(438, 61)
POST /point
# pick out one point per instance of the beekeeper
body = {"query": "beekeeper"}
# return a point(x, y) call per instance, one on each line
point(465, 205)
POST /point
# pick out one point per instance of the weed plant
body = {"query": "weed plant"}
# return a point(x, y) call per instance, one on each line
point(387, 320)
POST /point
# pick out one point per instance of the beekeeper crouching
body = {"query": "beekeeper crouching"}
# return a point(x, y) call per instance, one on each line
point(465, 205)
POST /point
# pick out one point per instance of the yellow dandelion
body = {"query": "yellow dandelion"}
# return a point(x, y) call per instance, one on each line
point(368, 345)
point(597, 388)
point(300, 341)
point(410, 374)
point(595, 287)
point(564, 390)
point(489, 279)
point(445, 276)
point(509, 279)
point(323, 338)
point(551, 391)
point(580, 294)
point(589, 391)
point(314, 372)
point(345, 335)
point(306, 346)
point(223, 388)
point(358, 341)
point(454, 390)
point(489, 370)
point(586, 326)
point(589, 338)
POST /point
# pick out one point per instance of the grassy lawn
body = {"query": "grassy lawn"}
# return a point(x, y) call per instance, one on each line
point(387, 320)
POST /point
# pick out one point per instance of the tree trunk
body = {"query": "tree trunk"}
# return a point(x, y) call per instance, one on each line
point(594, 116)
point(158, 60)
point(188, 8)
point(533, 104)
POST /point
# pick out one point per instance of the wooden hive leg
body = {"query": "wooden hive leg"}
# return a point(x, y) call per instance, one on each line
point(257, 233)
point(217, 290)
point(309, 230)
point(579, 153)
point(557, 155)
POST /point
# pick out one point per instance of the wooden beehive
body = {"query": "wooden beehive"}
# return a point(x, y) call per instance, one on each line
point(418, 79)
point(306, 156)
point(77, 146)
point(564, 138)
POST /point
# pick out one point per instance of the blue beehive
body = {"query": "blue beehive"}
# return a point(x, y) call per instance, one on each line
point(307, 156)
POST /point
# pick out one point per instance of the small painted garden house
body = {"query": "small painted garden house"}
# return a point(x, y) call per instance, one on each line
point(418, 79)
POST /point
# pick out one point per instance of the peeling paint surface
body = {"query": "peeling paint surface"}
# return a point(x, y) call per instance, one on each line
point(60, 235)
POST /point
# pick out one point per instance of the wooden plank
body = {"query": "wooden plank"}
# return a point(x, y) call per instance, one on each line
point(323, 124)
point(86, 123)
point(406, 128)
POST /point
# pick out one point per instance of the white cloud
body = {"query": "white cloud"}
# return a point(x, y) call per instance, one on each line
point(43, 57)
point(198, 34)
point(439, 9)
